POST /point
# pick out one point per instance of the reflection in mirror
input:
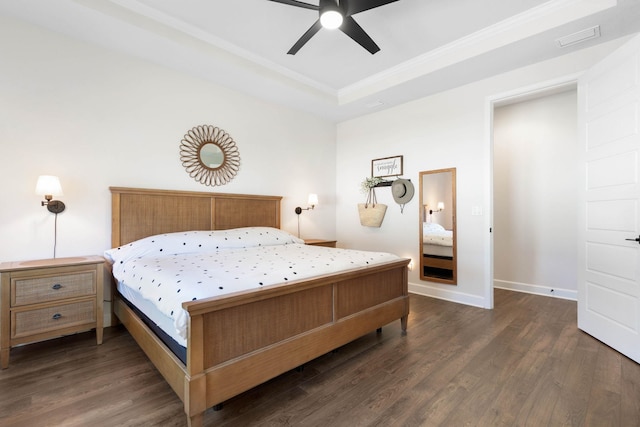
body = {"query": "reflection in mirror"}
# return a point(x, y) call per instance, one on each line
point(438, 261)
point(211, 155)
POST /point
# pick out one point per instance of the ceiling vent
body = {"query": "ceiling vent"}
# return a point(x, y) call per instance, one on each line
point(579, 37)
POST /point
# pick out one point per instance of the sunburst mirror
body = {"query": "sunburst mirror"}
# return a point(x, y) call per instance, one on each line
point(209, 155)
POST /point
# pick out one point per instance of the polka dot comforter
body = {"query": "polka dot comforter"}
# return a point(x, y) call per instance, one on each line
point(435, 234)
point(170, 269)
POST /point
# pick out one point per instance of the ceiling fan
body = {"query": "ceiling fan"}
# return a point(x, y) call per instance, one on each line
point(338, 14)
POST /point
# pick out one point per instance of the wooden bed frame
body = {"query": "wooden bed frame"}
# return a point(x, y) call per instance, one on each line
point(239, 341)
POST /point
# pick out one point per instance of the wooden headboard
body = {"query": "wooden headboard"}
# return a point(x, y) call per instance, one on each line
point(138, 213)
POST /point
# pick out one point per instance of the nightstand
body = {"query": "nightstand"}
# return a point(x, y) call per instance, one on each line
point(320, 242)
point(49, 298)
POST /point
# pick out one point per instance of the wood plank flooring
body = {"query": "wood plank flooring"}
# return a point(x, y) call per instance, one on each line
point(524, 363)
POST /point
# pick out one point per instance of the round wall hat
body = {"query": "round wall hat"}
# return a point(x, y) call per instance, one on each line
point(402, 190)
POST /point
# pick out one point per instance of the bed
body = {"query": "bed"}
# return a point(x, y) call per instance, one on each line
point(239, 340)
point(437, 248)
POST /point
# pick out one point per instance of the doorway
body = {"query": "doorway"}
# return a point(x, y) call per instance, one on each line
point(534, 180)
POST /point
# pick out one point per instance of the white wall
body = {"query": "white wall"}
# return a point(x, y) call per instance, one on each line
point(535, 204)
point(449, 129)
point(97, 118)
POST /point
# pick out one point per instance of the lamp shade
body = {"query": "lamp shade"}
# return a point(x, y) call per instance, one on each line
point(49, 185)
point(313, 199)
point(440, 206)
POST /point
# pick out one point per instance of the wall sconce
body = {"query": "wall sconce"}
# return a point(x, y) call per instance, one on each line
point(440, 208)
point(49, 186)
point(312, 202)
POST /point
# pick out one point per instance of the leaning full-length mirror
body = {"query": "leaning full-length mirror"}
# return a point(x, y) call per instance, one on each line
point(438, 261)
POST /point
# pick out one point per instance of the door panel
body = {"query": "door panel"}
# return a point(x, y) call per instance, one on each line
point(602, 298)
point(619, 79)
point(599, 215)
point(612, 171)
point(609, 265)
point(613, 126)
point(611, 259)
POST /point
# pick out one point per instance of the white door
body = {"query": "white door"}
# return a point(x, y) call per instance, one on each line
point(609, 219)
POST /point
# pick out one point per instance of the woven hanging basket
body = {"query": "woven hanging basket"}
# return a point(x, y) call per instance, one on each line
point(371, 213)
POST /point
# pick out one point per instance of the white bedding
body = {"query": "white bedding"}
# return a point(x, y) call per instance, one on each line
point(172, 268)
point(435, 234)
point(146, 306)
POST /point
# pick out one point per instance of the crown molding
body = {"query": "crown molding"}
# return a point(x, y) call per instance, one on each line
point(259, 63)
point(534, 21)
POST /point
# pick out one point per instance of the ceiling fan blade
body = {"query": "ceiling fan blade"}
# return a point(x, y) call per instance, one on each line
point(356, 6)
point(351, 28)
point(305, 37)
point(297, 3)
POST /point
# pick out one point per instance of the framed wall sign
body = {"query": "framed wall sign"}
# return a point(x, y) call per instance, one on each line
point(388, 166)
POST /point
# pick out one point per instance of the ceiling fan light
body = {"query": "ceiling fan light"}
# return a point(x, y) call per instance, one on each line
point(331, 19)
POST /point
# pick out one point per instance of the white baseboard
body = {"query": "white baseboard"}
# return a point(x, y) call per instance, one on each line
point(446, 294)
point(476, 301)
point(569, 294)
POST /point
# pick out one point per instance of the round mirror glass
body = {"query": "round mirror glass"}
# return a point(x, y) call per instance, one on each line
point(211, 155)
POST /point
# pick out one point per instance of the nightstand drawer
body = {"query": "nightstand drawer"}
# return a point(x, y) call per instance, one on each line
point(32, 322)
point(32, 290)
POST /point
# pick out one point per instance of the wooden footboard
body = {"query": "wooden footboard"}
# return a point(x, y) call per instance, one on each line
point(238, 342)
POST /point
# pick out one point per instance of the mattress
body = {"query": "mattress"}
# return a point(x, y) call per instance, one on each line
point(437, 250)
point(161, 272)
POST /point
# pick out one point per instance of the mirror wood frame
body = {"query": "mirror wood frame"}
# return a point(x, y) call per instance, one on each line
point(440, 264)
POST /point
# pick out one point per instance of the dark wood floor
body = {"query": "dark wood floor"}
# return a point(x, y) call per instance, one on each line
point(523, 364)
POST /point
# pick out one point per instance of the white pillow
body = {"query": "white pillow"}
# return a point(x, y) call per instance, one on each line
point(200, 241)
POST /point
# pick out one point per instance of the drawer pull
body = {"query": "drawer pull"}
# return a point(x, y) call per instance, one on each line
point(57, 316)
point(56, 286)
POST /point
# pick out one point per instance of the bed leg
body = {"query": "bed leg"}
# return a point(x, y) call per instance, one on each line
point(403, 324)
point(379, 331)
point(196, 420)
